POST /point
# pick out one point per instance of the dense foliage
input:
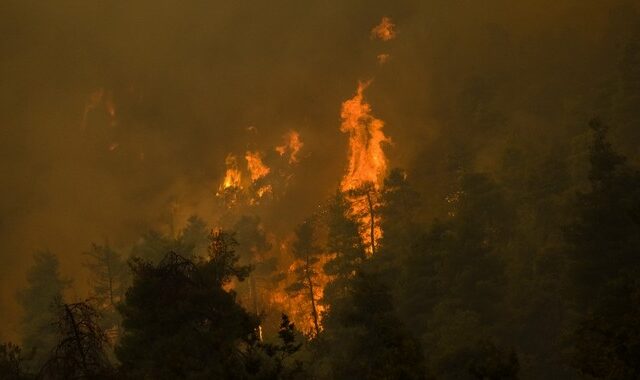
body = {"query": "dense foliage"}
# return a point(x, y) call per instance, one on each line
point(524, 274)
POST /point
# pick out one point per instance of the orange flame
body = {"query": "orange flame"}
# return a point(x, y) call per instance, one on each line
point(292, 146)
point(298, 305)
point(367, 161)
point(232, 175)
point(257, 168)
point(264, 190)
point(367, 165)
point(385, 30)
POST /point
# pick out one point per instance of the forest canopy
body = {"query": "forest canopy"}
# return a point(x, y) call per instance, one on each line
point(320, 190)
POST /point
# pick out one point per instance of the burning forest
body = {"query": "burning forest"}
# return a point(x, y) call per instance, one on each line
point(320, 190)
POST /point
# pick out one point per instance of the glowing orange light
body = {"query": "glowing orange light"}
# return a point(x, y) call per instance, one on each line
point(257, 168)
point(232, 176)
point(384, 30)
point(291, 146)
point(367, 161)
point(367, 164)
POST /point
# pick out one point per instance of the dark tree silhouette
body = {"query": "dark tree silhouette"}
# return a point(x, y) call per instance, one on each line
point(307, 252)
point(11, 362)
point(80, 351)
point(45, 287)
point(180, 321)
point(109, 277)
point(605, 249)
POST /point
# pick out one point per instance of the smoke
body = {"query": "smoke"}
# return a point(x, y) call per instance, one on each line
point(117, 117)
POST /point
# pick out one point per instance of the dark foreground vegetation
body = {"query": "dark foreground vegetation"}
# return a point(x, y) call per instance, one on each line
point(532, 274)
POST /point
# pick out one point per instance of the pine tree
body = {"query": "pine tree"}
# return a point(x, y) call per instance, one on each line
point(45, 287)
point(180, 321)
point(363, 338)
point(109, 278)
point(605, 251)
point(12, 362)
point(252, 251)
point(307, 254)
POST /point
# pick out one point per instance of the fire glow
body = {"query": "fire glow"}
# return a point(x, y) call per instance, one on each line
point(367, 164)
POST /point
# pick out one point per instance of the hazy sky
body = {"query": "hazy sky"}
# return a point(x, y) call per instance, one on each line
point(177, 84)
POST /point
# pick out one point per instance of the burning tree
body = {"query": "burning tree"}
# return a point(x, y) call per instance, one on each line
point(306, 276)
point(253, 252)
point(367, 165)
point(345, 244)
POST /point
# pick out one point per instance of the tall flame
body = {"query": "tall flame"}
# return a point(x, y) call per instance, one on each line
point(291, 146)
point(232, 176)
point(367, 161)
point(257, 168)
point(367, 165)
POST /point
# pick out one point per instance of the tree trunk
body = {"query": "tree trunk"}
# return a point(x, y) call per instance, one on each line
point(314, 311)
point(372, 225)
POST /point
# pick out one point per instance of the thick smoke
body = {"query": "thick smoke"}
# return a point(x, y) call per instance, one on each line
point(117, 116)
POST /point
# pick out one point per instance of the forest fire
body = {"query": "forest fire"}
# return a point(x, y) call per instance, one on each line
point(291, 146)
point(367, 164)
point(232, 175)
point(257, 168)
point(325, 190)
point(367, 160)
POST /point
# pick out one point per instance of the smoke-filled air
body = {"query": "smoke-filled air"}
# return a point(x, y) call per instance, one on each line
point(412, 189)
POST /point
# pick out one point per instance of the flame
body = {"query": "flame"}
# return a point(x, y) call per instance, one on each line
point(367, 165)
point(257, 168)
point(292, 145)
point(367, 161)
point(232, 175)
point(298, 306)
point(383, 58)
point(384, 30)
point(264, 190)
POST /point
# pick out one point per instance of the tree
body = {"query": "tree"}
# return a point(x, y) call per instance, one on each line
point(11, 362)
point(364, 339)
point(399, 221)
point(451, 283)
point(80, 350)
point(194, 238)
point(604, 248)
point(109, 279)
point(180, 320)
point(482, 361)
point(307, 253)
point(277, 360)
point(366, 201)
point(345, 244)
point(153, 245)
point(251, 250)
point(190, 242)
point(45, 286)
